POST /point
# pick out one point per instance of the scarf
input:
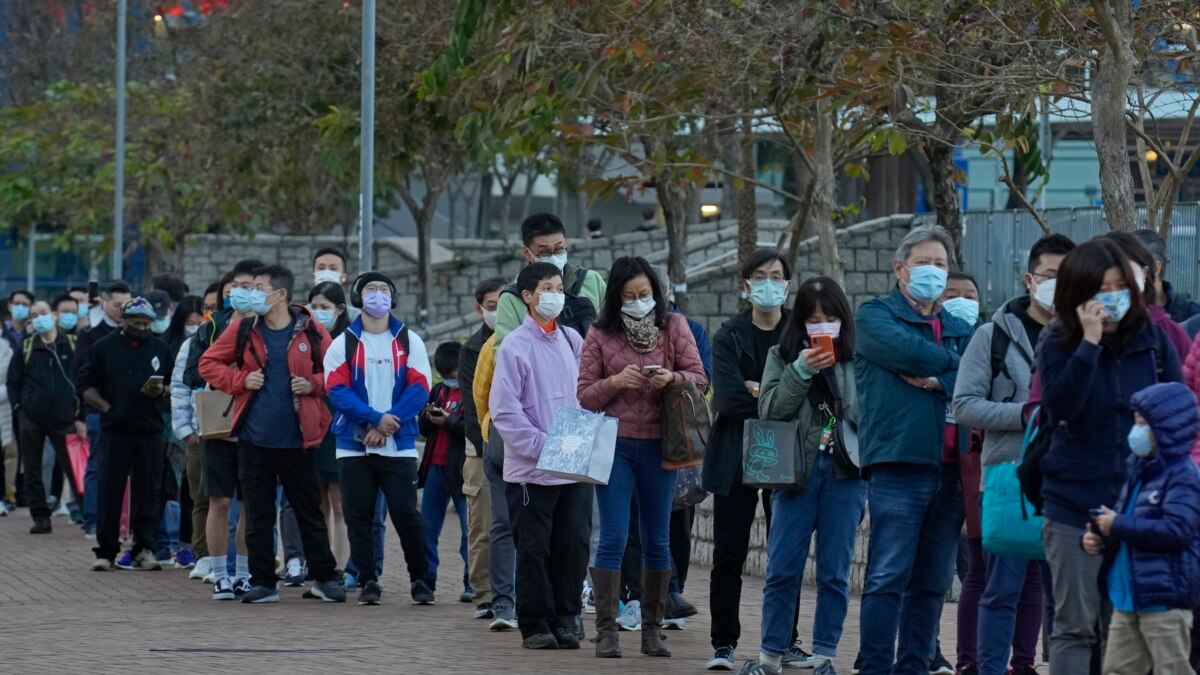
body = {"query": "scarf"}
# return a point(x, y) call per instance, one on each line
point(642, 333)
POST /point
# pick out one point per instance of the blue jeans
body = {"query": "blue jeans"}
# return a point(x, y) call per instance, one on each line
point(637, 466)
point(916, 515)
point(434, 501)
point(1011, 582)
point(91, 477)
point(168, 528)
point(833, 508)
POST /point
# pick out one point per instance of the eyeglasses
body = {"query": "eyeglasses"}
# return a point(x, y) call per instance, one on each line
point(762, 276)
point(1052, 275)
point(377, 288)
point(264, 288)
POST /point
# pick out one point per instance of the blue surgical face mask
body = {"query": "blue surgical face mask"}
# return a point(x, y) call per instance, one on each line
point(963, 308)
point(1116, 304)
point(926, 282)
point(43, 323)
point(559, 260)
point(327, 317)
point(227, 303)
point(84, 310)
point(68, 320)
point(451, 382)
point(241, 300)
point(768, 294)
point(258, 302)
point(20, 312)
point(160, 326)
point(1139, 440)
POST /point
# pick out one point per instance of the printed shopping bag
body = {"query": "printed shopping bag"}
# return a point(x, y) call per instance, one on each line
point(770, 456)
point(580, 446)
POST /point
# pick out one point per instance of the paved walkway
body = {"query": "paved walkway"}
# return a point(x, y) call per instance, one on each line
point(60, 618)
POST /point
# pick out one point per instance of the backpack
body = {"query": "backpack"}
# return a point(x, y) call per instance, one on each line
point(51, 407)
point(1029, 472)
point(310, 332)
point(1000, 343)
point(578, 312)
point(27, 347)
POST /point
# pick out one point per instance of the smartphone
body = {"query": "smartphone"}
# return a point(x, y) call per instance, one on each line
point(1096, 512)
point(154, 379)
point(93, 290)
point(649, 371)
point(823, 344)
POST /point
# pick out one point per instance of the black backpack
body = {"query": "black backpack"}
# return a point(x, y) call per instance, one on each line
point(1000, 343)
point(1029, 471)
point(578, 312)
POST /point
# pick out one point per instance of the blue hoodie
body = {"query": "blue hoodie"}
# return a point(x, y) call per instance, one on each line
point(1153, 560)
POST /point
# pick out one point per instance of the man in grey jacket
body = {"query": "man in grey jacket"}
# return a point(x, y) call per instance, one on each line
point(993, 384)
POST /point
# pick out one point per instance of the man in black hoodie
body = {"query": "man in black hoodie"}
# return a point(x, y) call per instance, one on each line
point(124, 379)
point(41, 386)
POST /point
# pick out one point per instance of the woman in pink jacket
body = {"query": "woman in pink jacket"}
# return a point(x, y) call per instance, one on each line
point(636, 348)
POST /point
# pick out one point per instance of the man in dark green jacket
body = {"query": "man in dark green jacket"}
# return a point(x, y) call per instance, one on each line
point(906, 364)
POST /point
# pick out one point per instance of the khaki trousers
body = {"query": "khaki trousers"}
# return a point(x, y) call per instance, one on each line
point(479, 524)
point(1145, 641)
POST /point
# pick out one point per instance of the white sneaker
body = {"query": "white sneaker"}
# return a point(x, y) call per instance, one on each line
point(202, 569)
point(630, 618)
point(589, 600)
point(62, 510)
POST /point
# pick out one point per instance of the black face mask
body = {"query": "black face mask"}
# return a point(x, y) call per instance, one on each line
point(137, 333)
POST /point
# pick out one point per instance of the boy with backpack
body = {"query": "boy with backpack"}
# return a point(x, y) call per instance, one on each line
point(273, 367)
point(377, 373)
point(1152, 552)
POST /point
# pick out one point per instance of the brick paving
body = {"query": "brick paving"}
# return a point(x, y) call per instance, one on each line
point(61, 618)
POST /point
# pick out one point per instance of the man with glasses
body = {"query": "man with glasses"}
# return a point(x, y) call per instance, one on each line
point(377, 373)
point(272, 366)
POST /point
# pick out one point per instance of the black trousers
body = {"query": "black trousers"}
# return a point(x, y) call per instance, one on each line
point(361, 479)
point(733, 518)
point(138, 458)
point(261, 469)
point(32, 439)
point(551, 526)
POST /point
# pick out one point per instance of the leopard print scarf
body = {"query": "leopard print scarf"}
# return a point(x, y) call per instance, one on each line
point(642, 333)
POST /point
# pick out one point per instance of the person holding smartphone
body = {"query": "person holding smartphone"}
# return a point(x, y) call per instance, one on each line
point(634, 351)
point(123, 379)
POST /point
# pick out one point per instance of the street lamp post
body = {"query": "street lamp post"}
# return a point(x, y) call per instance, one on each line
point(366, 167)
point(118, 257)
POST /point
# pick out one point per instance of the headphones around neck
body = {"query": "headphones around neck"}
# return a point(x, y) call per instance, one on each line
point(356, 300)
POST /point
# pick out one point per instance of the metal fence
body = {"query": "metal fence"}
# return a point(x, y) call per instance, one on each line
point(996, 246)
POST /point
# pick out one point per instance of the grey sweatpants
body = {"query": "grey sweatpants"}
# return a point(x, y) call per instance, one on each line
point(1149, 641)
point(1079, 609)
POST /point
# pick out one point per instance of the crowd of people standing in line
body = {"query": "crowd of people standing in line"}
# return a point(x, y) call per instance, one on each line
point(900, 410)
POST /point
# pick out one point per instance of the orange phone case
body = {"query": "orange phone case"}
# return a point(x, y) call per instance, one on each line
point(824, 344)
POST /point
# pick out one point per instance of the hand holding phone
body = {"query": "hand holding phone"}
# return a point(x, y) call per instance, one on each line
point(823, 344)
point(153, 386)
point(649, 371)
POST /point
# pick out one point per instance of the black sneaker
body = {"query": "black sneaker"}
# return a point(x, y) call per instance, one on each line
point(41, 526)
point(858, 664)
point(484, 611)
point(370, 594)
point(756, 668)
point(258, 595)
point(329, 591)
point(722, 659)
point(566, 638)
point(542, 641)
point(421, 595)
point(938, 665)
point(797, 657)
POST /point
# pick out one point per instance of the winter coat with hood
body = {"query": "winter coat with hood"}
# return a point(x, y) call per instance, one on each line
point(1162, 532)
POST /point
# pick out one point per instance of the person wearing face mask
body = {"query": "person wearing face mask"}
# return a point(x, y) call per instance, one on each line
point(272, 365)
point(907, 353)
point(441, 470)
point(82, 308)
point(378, 377)
point(329, 267)
point(961, 297)
point(1144, 271)
point(17, 328)
point(475, 479)
point(740, 351)
point(161, 302)
point(545, 240)
point(327, 302)
point(41, 385)
point(218, 459)
point(194, 503)
point(67, 309)
point(1149, 539)
point(1100, 351)
point(994, 380)
point(115, 295)
point(536, 374)
point(124, 379)
point(812, 388)
point(636, 348)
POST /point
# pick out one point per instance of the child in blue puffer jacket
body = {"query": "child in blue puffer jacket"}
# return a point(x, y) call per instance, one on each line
point(1152, 564)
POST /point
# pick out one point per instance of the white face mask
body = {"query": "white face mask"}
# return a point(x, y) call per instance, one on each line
point(1043, 294)
point(331, 276)
point(638, 309)
point(550, 305)
point(831, 328)
point(559, 260)
point(489, 318)
point(191, 329)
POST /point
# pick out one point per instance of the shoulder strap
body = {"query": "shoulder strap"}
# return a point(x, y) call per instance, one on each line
point(27, 349)
point(1160, 348)
point(71, 342)
point(403, 337)
point(243, 341)
point(580, 276)
point(351, 346)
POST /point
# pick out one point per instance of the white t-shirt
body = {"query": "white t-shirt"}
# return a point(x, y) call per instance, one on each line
point(379, 373)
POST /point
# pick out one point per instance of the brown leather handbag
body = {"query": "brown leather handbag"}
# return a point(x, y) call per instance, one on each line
point(687, 421)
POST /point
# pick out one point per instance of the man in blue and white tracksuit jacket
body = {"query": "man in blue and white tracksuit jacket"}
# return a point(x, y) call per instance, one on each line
point(377, 391)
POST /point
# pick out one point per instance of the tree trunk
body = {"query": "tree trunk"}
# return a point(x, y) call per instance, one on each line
point(424, 218)
point(676, 198)
point(945, 191)
point(506, 200)
point(824, 198)
point(530, 179)
point(1109, 88)
point(747, 206)
point(1019, 179)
